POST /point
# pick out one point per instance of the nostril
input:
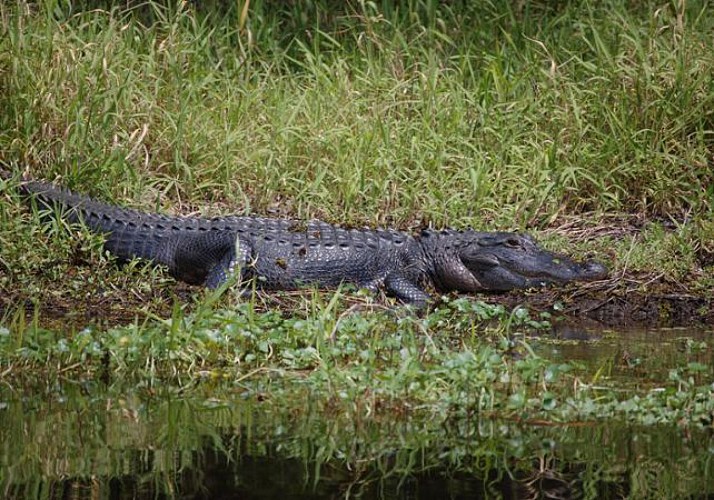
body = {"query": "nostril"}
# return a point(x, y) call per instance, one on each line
point(595, 270)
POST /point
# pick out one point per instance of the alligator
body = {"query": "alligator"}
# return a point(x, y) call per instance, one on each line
point(284, 254)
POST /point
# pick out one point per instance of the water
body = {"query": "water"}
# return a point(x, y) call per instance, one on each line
point(636, 357)
point(90, 439)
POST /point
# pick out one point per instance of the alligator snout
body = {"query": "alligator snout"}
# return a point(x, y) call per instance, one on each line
point(592, 270)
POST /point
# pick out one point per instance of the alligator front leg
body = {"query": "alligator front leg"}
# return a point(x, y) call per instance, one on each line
point(406, 290)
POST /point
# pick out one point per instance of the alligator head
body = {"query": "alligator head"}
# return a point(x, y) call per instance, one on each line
point(475, 261)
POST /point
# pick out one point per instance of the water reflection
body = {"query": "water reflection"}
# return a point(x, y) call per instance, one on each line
point(632, 356)
point(87, 440)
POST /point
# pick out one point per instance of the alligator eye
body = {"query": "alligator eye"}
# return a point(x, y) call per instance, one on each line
point(513, 243)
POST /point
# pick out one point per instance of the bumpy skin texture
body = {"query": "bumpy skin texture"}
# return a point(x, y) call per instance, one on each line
point(281, 254)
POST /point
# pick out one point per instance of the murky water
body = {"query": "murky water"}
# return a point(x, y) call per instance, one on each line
point(634, 356)
point(85, 439)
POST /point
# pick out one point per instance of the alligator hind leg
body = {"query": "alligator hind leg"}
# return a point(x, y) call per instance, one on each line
point(232, 263)
point(208, 258)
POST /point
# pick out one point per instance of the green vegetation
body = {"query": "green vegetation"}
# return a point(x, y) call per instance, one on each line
point(484, 115)
point(375, 396)
point(449, 364)
point(590, 124)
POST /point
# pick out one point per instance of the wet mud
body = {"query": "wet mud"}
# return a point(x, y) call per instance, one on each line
point(617, 306)
point(613, 303)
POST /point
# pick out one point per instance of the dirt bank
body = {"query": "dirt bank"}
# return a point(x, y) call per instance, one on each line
point(614, 302)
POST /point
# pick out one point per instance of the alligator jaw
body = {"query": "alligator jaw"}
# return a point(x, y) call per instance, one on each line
point(504, 261)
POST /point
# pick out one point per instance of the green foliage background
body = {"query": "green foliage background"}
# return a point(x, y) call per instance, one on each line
point(476, 113)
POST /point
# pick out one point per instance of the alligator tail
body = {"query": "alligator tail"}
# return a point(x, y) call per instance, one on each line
point(129, 233)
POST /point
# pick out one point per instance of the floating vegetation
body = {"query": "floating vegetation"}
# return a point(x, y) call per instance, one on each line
point(465, 360)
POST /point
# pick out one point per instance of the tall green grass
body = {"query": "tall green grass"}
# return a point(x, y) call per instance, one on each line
point(485, 114)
